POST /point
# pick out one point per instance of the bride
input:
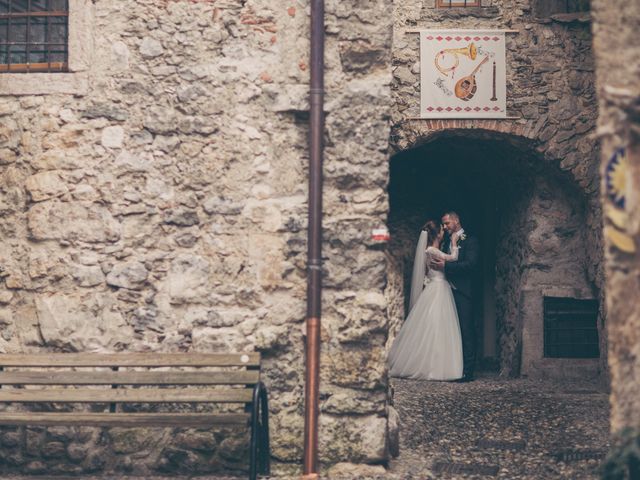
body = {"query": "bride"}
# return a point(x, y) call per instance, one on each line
point(429, 344)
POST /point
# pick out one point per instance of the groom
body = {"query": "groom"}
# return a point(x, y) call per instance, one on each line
point(460, 276)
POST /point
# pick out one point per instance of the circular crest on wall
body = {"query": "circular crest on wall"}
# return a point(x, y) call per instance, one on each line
point(616, 177)
point(616, 172)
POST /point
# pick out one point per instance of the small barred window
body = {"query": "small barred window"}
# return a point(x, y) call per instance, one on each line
point(570, 328)
point(547, 8)
point(34, 36)
point(457, 3)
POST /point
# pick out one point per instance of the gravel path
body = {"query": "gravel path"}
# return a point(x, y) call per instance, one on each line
point(506, 429)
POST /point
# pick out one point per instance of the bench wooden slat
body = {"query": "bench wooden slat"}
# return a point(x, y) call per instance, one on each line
point(148, 359)
point(122, 419)
point(129, 378)
point(109, 395)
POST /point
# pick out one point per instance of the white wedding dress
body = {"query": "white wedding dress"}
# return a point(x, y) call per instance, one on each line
point(429, 344)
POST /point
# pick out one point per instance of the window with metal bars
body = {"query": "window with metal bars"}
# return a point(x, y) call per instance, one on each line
point(457, 3)
point(546, 8)
point(34, 36)
point(570, 328)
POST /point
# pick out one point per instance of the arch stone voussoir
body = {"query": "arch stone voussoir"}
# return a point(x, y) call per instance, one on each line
point(570, 150)
point(415, 132)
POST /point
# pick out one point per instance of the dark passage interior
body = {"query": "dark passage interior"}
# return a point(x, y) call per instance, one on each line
point(528, 217)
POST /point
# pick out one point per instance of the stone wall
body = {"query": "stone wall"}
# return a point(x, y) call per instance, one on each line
point(551, 97)
point(162, 207)
point(618, 61)
point(551, 262)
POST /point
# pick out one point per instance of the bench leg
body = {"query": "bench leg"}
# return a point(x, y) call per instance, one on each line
point(259, 448)
point(253, 442)
point(265, 448)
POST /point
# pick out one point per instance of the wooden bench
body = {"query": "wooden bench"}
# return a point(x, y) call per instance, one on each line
point(115, 379)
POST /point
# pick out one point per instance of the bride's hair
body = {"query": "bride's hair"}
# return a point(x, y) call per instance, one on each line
point(433, 230)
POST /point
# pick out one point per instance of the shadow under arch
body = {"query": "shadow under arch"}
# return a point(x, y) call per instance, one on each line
point(531, 219)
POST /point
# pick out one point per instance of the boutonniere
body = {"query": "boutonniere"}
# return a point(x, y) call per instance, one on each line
point(463, 237)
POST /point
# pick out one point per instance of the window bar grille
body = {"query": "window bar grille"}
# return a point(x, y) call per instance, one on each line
point(570, 328)
point(47, 36)
point(441, 3)
point(66, 35)
point(10, 9)
point(29, 32)
point(28, 38)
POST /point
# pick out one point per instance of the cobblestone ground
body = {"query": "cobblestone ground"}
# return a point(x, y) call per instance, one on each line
point(486, 429)
point(506, 429)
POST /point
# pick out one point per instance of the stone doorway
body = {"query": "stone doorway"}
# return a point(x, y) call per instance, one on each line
point(531, 220)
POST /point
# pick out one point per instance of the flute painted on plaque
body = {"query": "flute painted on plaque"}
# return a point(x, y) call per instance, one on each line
point(494, 98)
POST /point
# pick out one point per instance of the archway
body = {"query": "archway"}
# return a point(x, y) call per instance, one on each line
point(531, 219)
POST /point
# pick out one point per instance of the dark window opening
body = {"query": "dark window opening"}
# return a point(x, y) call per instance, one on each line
point(546, 8)
point(457, 3)
point(570, 328)
point(34, 36)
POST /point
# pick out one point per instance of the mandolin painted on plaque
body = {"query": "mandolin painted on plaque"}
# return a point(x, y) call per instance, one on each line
point(468, 63)
point(466, 87)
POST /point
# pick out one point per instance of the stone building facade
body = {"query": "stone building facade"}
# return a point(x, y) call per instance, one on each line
point(154, 199)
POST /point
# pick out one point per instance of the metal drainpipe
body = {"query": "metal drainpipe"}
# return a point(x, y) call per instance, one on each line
point(314, 259)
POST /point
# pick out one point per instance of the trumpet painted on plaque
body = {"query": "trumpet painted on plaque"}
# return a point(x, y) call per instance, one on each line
point(468, 51)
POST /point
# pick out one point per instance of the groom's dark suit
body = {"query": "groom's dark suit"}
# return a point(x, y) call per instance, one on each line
point(460, 274)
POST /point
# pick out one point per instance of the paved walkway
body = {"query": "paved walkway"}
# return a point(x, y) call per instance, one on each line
point(506, 429)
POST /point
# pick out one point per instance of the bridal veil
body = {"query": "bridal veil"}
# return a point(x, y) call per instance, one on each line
point(419, 267)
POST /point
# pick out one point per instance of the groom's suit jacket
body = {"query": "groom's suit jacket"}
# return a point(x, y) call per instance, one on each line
point(460, 274)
